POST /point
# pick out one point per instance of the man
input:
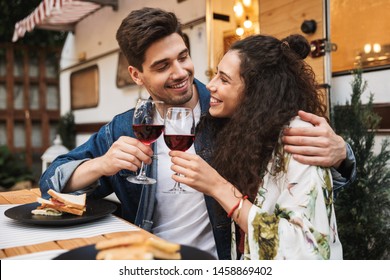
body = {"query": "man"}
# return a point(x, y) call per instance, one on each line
point(151, 39)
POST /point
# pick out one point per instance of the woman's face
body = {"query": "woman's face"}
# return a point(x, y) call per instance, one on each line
point(226, 88)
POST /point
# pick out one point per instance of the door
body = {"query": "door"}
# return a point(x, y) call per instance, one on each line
point(29, 100)
point(281, 18)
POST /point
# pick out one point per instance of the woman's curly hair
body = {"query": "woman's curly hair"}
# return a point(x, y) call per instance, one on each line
point(278, 83)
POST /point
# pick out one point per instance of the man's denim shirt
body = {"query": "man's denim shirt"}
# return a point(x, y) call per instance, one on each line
point(138, 201)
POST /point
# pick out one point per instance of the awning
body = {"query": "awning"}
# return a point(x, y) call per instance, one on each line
point(61, 15)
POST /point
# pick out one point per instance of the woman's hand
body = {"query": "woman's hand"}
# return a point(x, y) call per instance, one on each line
point(197, 173)
point(318, 145)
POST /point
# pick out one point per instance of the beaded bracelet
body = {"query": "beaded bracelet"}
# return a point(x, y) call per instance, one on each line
point(239, 203)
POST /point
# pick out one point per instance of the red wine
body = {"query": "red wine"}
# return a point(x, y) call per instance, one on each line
point(147, 133)
point(179, 142)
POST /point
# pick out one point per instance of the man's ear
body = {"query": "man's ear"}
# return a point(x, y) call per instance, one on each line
point(135, 75)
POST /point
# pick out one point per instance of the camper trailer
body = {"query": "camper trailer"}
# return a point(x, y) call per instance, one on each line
point(94, 83)
point(92, 51)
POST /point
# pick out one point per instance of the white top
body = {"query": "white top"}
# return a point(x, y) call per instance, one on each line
point(180, 218)
point(293, 215)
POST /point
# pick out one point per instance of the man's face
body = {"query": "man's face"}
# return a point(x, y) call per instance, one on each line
point(168, 71)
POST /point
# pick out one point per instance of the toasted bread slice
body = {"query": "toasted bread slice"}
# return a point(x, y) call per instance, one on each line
point(134, 252)
point(136, 238)
point(63, 208)
point(162, 245)
point(137, 245)
point(159, 254)
point(70, 200)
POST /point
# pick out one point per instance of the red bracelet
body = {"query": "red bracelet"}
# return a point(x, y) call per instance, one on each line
point(240, 206)
point(230, 214)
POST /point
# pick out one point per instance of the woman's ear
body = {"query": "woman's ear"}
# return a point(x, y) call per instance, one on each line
point(135, 74)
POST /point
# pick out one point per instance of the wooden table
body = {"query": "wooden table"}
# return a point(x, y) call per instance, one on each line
point(28, 196)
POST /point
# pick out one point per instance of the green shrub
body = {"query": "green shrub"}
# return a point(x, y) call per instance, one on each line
point(363, 209)
point(67, 130)
point(13, 168)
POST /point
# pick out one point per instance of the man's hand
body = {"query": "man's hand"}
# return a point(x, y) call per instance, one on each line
point(125, 153)
point(318, 145)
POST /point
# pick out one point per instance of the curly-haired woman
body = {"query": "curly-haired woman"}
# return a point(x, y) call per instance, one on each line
point(280, 208)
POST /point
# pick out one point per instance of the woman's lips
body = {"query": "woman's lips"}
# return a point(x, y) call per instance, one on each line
point(214, 101)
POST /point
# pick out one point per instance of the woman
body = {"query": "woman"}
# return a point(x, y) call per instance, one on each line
point(282, 209)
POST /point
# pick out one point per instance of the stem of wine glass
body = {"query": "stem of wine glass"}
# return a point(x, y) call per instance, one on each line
point(142, 173)
point(177, 186)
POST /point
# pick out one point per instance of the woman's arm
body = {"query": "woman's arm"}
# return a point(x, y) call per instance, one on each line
point(299, 225)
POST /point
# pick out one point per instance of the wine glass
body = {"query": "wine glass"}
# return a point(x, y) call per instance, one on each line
point(147, 126)
point(179, 134)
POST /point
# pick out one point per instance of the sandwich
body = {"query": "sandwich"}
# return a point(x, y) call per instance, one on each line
point(59, 203)
point(137, 246)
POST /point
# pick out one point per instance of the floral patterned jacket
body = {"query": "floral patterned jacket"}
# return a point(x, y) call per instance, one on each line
point(293, 215)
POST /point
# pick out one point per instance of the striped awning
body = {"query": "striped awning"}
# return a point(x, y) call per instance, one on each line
point(61, 15)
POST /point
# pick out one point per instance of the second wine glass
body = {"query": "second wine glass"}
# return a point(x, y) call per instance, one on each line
point(179, 134)
point(147, 126)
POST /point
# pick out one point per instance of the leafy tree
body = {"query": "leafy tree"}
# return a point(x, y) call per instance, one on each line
point(363, 209)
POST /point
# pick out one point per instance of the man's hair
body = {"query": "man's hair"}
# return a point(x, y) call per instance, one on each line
point(143, 27)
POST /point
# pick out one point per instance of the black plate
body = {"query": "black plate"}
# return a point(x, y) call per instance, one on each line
point(95, 209)
point(89, 253)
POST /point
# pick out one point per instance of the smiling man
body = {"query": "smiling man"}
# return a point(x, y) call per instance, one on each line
point(152, 41)
point(167, 72)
